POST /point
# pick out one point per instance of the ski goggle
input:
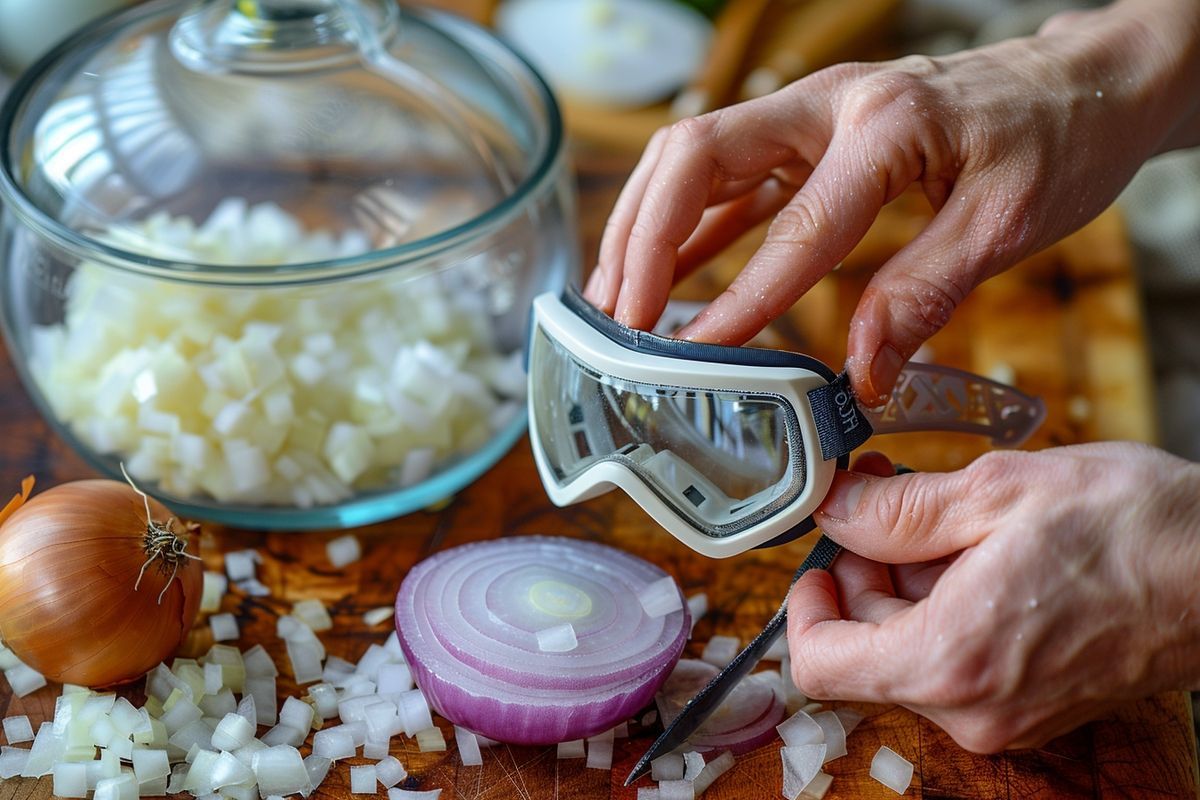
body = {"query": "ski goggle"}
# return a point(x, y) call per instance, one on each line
point(727, 448)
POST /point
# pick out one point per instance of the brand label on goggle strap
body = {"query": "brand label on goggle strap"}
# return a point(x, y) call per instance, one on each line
point(841, 426)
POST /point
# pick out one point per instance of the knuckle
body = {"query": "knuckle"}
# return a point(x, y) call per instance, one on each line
point(925, 306)
point(797, 222)
point(692, 133)
point(991, 471)
point(905, 85)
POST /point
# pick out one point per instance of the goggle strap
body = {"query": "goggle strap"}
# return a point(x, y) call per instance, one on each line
point(841, 424)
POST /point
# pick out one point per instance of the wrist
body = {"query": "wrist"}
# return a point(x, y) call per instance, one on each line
point(1143, 57)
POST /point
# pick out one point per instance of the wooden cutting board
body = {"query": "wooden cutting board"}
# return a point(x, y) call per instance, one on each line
point(1066, 324)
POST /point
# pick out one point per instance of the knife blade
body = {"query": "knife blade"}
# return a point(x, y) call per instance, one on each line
point(709, 698)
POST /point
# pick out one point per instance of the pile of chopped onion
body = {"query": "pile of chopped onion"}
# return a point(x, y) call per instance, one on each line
point(295, 396)
point(540, 640)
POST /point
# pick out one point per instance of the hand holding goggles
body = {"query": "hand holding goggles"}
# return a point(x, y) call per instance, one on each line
point(728, 448)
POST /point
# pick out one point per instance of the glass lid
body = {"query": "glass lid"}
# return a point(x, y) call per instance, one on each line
point(168, 130)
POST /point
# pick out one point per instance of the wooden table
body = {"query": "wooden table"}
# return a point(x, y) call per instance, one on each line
point(1067, 324)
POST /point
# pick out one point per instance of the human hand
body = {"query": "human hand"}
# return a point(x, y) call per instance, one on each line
point(1015, 145)
point(1030, 592)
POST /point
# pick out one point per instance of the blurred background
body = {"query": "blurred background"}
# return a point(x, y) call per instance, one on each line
point(623, 68)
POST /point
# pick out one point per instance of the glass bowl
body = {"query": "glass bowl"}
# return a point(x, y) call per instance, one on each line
point(276, 257)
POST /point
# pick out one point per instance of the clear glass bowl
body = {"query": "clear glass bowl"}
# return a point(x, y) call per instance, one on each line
point(277, 256)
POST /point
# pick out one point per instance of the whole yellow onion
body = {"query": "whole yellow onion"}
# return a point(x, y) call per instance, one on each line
point(96, 583)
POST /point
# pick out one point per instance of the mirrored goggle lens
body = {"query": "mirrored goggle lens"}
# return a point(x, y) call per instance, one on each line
point(723, 460)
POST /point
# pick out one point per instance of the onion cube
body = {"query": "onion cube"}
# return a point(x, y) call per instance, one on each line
point(313, 614)
point(818, 786)
point(158, 788)
point(265, 703)
point(284, 734)
point(571, 749)
point(317, 769)
point(24, 679)
point(180, 715)
point(296, 714)
point(713, 770)
point(70, 780)
point(47, 749)
point(800, 765)
point(888, 767)
point(8, 659)
point(693, 764)
point(214, 678)
point(376, 748)
point(667, 767)
point(835, 734)
point(661, 597)
point(239, 565)
point(558, 639)
point(224, 627)
point(18, 729)
point(12, 762)
point(215, 585)
point(390, 771)
point(334, 743)
point(195, 733)
point(150, 764)
point(258, 663)
point(800, 729)
point(468, 747)
point(394, 679)
point(676, 790)
point(343, 550)
point(228, 770)
point(382, 720)
point(378, 615)
point(280, 770)
point(247, 709)
point(124, 716)
point(363, 780)
point(408, 794)
point(121, 787)
point(325, 700)
point(600, 753)
point(253, 588)
point(647, 793)
point(849, 719)
point(375, 657)
point(430, 740)
point(414, 712)
point(720, 650)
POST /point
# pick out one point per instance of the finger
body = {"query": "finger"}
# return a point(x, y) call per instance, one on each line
point(874, 463)
point(912, 296)
point(865, 589)
point(914, 582)
point(922, 516)
point(836, 658)
point(745, 141)
point(822, 223)
point(724, 224)
point(605, 280)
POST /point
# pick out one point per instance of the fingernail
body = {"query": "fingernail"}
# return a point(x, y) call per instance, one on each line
point(885, 367)
point(842, 501)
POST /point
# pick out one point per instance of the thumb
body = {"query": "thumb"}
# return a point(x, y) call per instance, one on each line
point(920, 516)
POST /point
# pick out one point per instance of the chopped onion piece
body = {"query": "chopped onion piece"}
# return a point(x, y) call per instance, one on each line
point(224, 627)
point(793, 698)
point(835, 734)
point(660, 597)
point(379, 615)
point(889, 768)
point(313, 614)
point(200, 775)
point(720, 650)
point(48, 747)
point(394, 679)
point(599, 753)
point(317, 768)
point(343, 551)
point(262, 690)
point(228, 770)
point(334, 743)
point(414, 712)
point(777, 650)
point(12, 761)
point(8, 659)
point(817, 787)
point(382, 721)
point(375, 657)
point(258, 663)
point(697, 607)
point(647, 793)
point(557, 639)
point(813, 708)
point(713, 770)
point(239, 565)
point(363, 780)
point(18, 729)
point(296, 714)
point(215, 585)
point(121, 787)
point(431, 740)
point(849, 719)
point(800, 729)
point(280, 770)
point(408, 794)
point(390, 771)
point(468, 747)
point(284, 734)
point(676, 790)
point(24, 679)
point(251, 587)
point(158, 788)
point(800, 765)
point(693, 763)
point(150, 764)
point(571, 749)
point(668, 767)
point(325, 700)
point(376, 748)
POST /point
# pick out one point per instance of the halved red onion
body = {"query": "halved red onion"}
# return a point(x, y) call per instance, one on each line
point(746, 719)
point(468, 620)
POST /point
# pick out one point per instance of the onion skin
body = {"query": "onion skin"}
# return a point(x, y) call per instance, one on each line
point(69, 560)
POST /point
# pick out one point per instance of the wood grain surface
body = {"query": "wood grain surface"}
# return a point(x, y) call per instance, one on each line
point(1066, 324)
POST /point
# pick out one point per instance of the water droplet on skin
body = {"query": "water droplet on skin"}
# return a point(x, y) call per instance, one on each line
point(1033, 603)
point(1099, 93)
point(991, 603)
point(1020, 636)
